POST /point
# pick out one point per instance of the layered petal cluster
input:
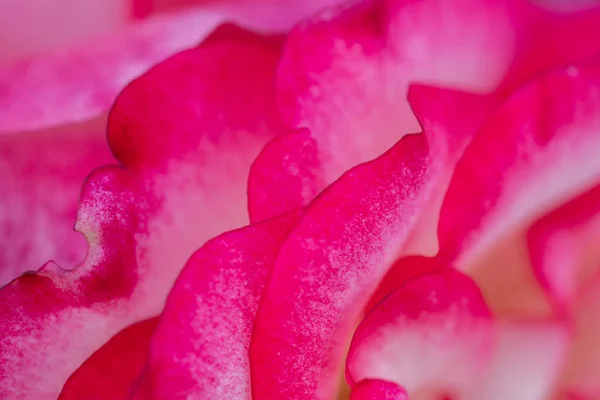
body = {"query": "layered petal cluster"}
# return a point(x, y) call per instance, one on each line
point(402, 193)
point(182, 180)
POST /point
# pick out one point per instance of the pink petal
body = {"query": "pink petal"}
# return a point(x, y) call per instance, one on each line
point(538, 150)
point(81, 83)
point(402, 270)
point(41, 174)
point(375, 389)
point(186, 133)
point(345, 74)
point(287, 161)
point(432, 335)
point(563, 247)
point(112, 369)
point(211, 311)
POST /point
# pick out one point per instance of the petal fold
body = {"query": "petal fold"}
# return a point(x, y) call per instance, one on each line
point(41, 174)
point(433, 335)
point(201, 345)
point(376, 389)
point(538, 150)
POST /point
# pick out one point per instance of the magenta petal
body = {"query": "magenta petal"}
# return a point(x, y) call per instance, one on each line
point(81, 83)
point(41, 174)
point(433, 335)
point(287, 161)
point(402, 270)
point(201, 345)
point(110, 372)
point(376, 389)
point(183, 182)
point(538, 150)
point(563, 247)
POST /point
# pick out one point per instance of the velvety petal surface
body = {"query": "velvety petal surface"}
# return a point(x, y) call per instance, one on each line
point(109, 373)
point(41, 174)
point(326, 269)
point(342, 247)
point(376, 389)
point(434, 336)
point(80, 83)
point(200, 348)
point(539, 150)
point(289, 161)
point(345, 74)
point(186, 133)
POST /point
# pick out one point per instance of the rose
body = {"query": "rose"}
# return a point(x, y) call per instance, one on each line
point(335, 252)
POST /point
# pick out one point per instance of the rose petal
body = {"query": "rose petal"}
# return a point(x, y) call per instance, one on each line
point(375, 389)
point(111, 370)
point(81, 83)
point(538, 150)
point(432, 335)
point(186, 133)
point(449, 119)
point(563, 247)
point(402, 270)
point(41, 174)
point(287, 161)
point(211, 311)
point(344, 74)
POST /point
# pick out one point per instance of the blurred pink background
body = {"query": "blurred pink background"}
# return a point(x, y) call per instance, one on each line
point(32, 26)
